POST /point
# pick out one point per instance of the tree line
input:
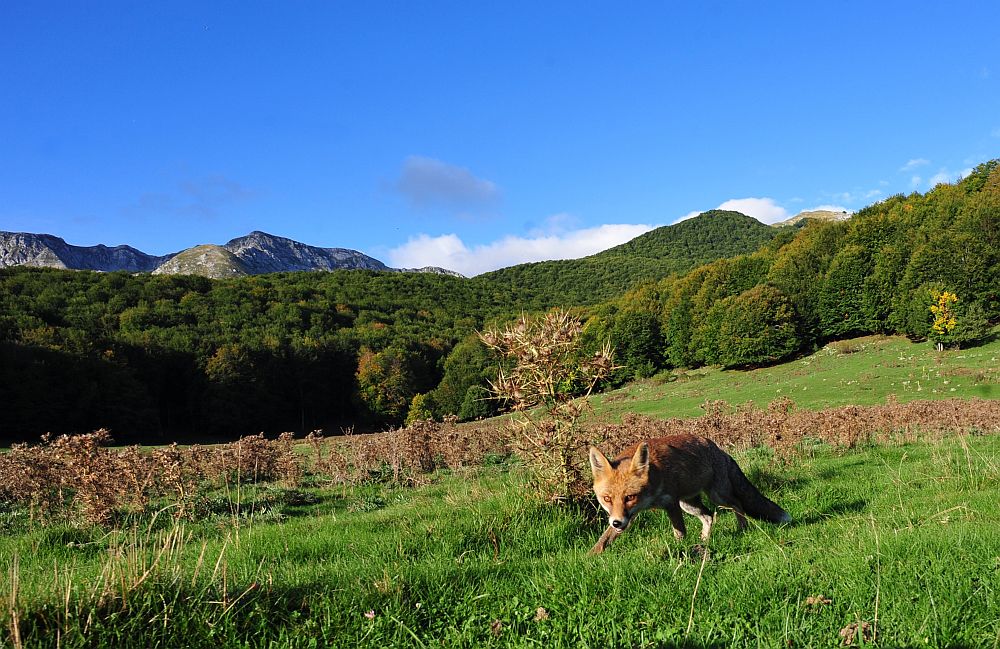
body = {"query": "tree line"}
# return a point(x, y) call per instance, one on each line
point(154, 356)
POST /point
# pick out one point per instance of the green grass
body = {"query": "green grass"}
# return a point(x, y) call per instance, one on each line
point(862, 371)
point(906, 538)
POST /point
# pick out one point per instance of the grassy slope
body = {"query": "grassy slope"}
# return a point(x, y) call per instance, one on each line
point(863, 371)
point(905, 536)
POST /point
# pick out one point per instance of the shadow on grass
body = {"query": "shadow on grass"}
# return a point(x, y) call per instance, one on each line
point(835, 509)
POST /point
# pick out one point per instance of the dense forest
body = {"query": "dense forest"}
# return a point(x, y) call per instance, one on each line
point(163, 357)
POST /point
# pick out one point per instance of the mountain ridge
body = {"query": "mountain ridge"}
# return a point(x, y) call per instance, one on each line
point(50, 251)
point(255, 253)
point(666, 249)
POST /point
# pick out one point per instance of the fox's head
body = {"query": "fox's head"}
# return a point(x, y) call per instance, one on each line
point(621, 486)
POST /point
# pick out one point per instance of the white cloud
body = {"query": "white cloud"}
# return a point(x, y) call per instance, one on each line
point(689, 215)
point(764, 210)
point(942, 176)
point(913, 164)
point(555, 225)
point(426, 182)
point(449, 251)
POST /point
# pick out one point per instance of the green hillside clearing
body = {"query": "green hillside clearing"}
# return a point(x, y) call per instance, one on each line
point(859, 371)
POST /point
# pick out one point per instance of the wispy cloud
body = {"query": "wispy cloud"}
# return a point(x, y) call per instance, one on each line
point(947, 176)
point(429, 183)
point(202, 198)
point(913, 164)
point(828, 208)
point(856, 196)
point(943, 175)
point(449, 251)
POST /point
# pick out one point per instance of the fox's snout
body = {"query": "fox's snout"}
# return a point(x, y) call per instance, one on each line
point(618, 523)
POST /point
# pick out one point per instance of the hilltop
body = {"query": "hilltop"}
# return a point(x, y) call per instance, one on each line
point(816, 215)
point(649, 257)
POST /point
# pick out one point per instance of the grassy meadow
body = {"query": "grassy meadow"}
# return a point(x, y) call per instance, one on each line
point(895, 543)
point(899, 543)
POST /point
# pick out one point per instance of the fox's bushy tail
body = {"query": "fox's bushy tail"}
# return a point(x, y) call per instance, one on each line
point(755, 504)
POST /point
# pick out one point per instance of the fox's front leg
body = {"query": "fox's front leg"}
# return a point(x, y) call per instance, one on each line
point(676, 519)
point(609, 535)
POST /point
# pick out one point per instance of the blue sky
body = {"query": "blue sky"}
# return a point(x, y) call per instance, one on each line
point(475, 135)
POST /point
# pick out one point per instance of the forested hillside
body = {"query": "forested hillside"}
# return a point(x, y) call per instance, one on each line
point(598, 278)
point(154, 357)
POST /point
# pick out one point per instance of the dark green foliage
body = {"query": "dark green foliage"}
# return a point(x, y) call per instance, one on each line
point(798, 270)
point(912, 310)
point(638, 342)
point(973, 326)
point(871, 274)
point(722, 279)
point(758, 327)
point(478, 403)
point(841, 297)
point(469, 365)
point(164, 355)
point(387, 383)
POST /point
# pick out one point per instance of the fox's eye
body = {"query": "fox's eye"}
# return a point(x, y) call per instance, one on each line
point(630, 498)
point(607, 499)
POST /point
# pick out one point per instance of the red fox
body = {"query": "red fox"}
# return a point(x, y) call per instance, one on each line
point(671, 473)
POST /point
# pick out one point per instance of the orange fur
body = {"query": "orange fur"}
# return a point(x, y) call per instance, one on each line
point(671, 473)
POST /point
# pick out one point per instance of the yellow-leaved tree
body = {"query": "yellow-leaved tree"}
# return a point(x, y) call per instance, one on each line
point(944, 317)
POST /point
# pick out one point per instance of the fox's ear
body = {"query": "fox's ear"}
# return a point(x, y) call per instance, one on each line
point(598, 463)
point(640, 460)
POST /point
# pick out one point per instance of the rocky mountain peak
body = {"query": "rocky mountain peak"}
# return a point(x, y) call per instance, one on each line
point(49, 251)
point(267, 253)
point(253, 254)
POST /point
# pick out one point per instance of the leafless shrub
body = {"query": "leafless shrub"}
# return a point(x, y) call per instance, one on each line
point(328, 458)
point(79, 476)
point(547, 381)
point(177, 477)
point(406, 455)
point(75, 473)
